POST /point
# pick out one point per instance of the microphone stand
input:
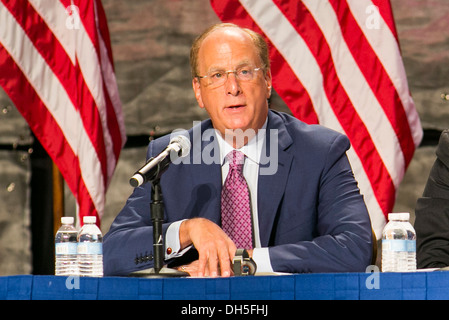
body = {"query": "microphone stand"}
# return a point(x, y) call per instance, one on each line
point(157, 216)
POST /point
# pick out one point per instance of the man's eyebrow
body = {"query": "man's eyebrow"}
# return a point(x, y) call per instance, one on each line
point(215, 68)
point(242, 63)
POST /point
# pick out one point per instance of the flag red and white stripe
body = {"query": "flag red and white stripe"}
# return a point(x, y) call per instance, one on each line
point(56, 66)
point(338, 63)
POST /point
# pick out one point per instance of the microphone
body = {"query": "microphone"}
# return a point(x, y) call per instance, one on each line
point(179, 146)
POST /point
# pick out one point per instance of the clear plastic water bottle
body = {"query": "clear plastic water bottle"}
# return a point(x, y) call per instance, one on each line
point(398, 244)
point(66, 263)
point(90, 249)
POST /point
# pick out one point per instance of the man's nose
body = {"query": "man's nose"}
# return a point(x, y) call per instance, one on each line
point(232, 84)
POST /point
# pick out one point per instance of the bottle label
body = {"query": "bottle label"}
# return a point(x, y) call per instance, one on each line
point(66, 248)
point(90, 248)
point(399, 245)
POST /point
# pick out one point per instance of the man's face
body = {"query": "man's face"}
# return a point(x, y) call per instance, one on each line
point(235, 104)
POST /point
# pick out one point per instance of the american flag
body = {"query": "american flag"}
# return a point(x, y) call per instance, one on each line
point(338, 63)
point(56, 66)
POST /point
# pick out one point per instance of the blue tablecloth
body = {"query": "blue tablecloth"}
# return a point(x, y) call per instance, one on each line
point(342, 286)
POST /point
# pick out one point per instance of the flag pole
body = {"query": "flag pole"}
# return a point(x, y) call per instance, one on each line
point(58, 198)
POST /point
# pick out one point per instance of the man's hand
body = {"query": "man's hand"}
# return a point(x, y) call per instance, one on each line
point(216, 250)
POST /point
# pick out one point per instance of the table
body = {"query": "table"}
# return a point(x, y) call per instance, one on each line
point(326, 286)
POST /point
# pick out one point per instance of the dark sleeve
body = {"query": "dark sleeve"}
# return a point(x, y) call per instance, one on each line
point(432, 212)
point(128, 245)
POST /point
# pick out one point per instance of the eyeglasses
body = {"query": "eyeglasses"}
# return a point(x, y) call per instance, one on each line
point(217, 78)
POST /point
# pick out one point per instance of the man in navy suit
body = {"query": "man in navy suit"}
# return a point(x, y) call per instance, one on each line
point(307, 212)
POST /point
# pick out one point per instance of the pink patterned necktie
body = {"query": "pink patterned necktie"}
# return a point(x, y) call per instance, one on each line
point(235, 203)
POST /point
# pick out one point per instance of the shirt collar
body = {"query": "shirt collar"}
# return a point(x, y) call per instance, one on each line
point(252, 150)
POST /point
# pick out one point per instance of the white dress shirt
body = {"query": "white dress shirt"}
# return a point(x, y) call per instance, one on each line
point(252, 151)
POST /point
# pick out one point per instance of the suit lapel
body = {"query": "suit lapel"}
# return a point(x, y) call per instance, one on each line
point(206, 179)
point(272, 179)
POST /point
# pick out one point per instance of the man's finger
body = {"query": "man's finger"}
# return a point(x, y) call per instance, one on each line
point(225, 263)
point(202, 261)
point(213, 264)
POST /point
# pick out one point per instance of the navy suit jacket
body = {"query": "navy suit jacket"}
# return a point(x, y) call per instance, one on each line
point(311, 214)
point(432, 212)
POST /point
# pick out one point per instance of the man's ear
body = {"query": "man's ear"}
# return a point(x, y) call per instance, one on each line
point(197, 90)
point(268, 82)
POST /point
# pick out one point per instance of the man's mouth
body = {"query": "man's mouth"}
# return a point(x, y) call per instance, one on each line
point(236, 106)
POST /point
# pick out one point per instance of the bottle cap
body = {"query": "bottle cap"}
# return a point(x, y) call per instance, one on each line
point(403, 216)
point(67, 220)
point(89, 219)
